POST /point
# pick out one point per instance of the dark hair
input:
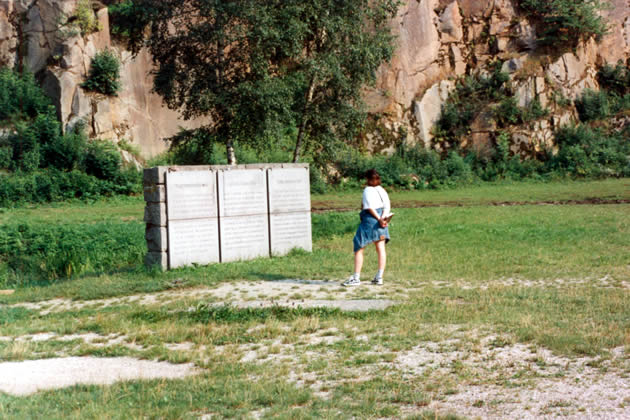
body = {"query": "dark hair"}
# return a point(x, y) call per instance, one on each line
point(373, 175)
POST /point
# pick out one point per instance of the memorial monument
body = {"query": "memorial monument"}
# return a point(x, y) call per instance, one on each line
point(211, 214)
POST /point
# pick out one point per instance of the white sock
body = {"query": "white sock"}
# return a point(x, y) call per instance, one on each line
point(379, 274)
point(357, 276)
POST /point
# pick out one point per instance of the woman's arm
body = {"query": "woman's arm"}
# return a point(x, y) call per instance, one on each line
point(375, 215)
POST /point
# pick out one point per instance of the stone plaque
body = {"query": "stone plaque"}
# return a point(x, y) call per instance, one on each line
point(193, 226)
point(244, 237)
point(242, 192)
point(289, 190)
point(191, 195)
point(290, 230)
point(193, 241)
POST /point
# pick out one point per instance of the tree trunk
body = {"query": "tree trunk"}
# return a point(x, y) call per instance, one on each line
point(229, 144)
point(231, 157)
point(302, 129)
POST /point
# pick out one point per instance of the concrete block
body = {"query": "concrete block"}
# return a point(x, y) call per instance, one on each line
point(155, 214)
point(159, 259)
point(157, 238)
point(191, 195)
point(289, 190)
point(242, 192)
point(244, 237)
point(155, 193)
point(155, 175)
point(194, 241)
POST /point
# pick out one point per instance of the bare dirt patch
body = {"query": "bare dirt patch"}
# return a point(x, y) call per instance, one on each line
point(305, 293)
point(516, 381)
point(288, 291)
point(30, 376)
point(482, 375)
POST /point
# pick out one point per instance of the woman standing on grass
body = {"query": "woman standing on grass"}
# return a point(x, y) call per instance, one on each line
point(375, 209)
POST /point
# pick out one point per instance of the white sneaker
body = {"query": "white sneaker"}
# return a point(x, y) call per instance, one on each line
point(352, 281)
point(377, 281)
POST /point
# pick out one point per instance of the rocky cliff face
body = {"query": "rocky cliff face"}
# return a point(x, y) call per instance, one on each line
point(437, 41)
point(33, 34)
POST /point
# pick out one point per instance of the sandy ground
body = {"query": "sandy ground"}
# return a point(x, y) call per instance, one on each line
point(30, 376)
point(291, 292)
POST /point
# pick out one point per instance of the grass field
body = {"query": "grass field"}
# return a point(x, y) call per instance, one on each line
point(492, 305)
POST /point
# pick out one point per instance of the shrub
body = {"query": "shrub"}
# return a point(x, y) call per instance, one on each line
point(104, 74)
point(6, 153)
point(85, 17)
point(615, 79)
point(593, 105)
point(21, 97)
point(534, 111)
point(588, 152)
point(133, 149)
point(471, 95)
point(102, 160)
point(566, 22)
point(125, 21)
point(508, 112)
point(66, 152)
point(47, 185)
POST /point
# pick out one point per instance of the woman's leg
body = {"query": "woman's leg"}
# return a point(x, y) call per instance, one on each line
point(358, 261)
point(382, 255)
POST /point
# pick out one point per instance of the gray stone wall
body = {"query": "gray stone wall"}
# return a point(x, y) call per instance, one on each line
point(225, 213)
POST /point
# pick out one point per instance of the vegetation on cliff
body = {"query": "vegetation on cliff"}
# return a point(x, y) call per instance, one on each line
point(104, 76)
point(566, 22)
point(40, 163)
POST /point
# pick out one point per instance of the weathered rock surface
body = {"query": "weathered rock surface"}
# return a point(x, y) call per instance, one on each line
point(439, 40)
point(61, 58)
point(427, 110)
point(436, 41)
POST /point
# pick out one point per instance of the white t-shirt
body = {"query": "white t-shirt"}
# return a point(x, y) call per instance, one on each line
point(376, 198)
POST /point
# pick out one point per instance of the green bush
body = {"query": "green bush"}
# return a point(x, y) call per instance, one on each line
point(66, 152)
point(593, 105)
point(104, 74)
point(6, 154)
point(565, 22)
point(48, 185)
point(588, 152)
point(102, 160)
point(508, 112)
point(471, 96)
point(615, 79)
point(125, 20)
point(534, 111)
point(21, 97)
point(85, 17)
point(36, 254)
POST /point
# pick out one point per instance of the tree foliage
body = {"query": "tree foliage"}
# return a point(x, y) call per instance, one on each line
point(255, 67)
point(566, 22)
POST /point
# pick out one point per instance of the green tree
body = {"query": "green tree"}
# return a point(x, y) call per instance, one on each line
point(566, 22)
point(255, 67)
point(104, 74)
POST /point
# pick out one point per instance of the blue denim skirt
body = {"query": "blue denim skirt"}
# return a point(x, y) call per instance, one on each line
point(369, 231)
